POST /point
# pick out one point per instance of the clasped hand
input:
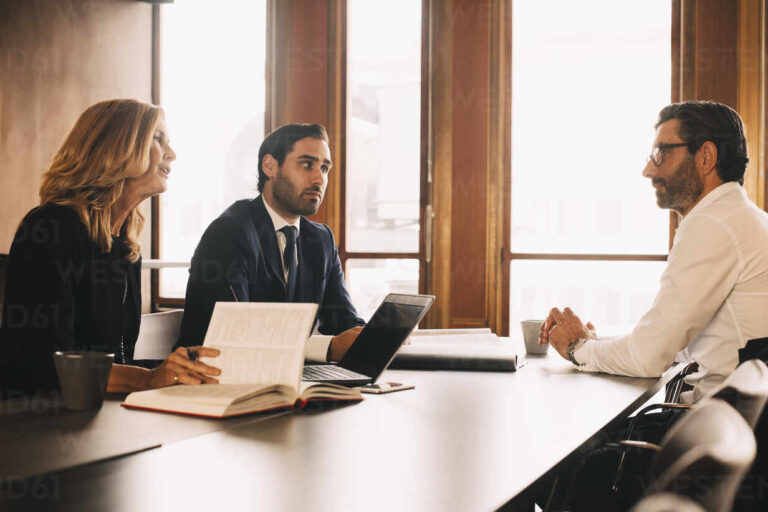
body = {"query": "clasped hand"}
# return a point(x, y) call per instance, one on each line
point(562, 327)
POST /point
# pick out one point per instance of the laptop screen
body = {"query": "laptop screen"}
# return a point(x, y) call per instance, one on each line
point(377, 344)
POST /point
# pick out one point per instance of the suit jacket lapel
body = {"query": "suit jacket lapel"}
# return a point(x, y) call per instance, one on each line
point(310, 262)
point(268, 239)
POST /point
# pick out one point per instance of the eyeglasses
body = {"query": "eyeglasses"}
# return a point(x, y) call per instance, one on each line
point(657, 155)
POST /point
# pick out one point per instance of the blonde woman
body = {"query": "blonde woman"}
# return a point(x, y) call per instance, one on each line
point(73, 275)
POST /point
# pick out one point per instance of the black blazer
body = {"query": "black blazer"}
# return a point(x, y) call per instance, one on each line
point(238, 254)
point(63, 293)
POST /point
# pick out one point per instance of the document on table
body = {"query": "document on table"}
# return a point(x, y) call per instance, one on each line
point(444, 338)
point(259, 342)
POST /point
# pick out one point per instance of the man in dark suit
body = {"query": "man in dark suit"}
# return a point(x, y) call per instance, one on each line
point(265, 250)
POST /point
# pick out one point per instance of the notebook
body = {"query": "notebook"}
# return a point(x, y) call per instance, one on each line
point(456, 349)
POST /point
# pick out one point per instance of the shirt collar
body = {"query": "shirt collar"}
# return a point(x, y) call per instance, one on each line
point(280, 222)
point(714, 195)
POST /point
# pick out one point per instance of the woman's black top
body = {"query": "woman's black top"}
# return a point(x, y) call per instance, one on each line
point(63, 293)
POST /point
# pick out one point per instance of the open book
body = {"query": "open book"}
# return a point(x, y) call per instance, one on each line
point(261, 361)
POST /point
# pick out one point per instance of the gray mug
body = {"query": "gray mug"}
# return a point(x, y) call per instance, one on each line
point(83, 377)
point(531, 337)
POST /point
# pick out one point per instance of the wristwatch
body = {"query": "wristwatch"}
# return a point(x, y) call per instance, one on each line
point(573, 347)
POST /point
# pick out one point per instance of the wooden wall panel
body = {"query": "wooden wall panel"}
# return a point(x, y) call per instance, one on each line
point(306, 83)
point(722, 60)
point(467, 115)
point(716, 52)
point(750, 103)
point(470, 103)
point(499, 167)
point(57, 57)
point(302, 50)
point(440, 150)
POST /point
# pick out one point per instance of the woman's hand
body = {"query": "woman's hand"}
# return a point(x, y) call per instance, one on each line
point(182, 367)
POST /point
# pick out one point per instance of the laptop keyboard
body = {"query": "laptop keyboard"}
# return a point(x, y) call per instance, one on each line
point(325, 372)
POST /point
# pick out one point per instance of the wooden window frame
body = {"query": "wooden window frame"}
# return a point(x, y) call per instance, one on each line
point(345, 255)
point(159, 302)
point(434, 252)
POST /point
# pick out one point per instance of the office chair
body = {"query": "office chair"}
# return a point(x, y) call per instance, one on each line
point(754, 495)
point(671, 401)
point(677, 383)
point(672, 394)
point(667, 502)
point(704, 456)
point(157, 336)
point(563, 491)
point(746, 390)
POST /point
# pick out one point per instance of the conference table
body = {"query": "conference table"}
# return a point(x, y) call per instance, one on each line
point(458, 441)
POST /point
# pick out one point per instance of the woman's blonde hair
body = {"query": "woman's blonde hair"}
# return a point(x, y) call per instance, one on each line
point(108, 144)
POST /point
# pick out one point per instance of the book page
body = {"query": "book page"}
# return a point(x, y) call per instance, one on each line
point(260, 342)
point(213, 400)
point(325, 390)
point(222, 394)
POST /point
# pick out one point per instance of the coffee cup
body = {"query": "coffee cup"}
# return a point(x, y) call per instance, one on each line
point(83, 377)
point(531, 337)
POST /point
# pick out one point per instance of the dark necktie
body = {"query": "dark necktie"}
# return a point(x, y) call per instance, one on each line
point(289, 259)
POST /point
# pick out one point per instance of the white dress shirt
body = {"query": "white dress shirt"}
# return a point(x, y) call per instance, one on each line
point(316, 349)
point(713, 297)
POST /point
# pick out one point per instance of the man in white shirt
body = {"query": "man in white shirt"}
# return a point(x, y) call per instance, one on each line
point(714, 292)
point(266, 250)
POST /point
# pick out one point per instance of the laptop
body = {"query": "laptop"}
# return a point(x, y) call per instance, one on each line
point(376, 344)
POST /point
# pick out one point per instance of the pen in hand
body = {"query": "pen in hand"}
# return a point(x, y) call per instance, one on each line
point(233, 293)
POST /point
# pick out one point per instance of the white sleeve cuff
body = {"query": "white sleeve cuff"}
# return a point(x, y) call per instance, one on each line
point(316, 349)
point(584, 355)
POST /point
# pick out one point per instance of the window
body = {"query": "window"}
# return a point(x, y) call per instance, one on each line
point(213, 93)
point(383, 166)
point(579, 145)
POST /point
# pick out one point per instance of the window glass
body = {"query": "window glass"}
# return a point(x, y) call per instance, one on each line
point(383, 125)
point(613, 295)
point(589, 78)
point(370, 280)
point(213, 93)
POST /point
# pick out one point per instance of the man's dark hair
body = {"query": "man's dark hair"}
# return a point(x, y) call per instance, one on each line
point(280, 142)
point(702, 121)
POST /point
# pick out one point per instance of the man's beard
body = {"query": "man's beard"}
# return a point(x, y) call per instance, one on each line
point(291, 199)
point(681, 189)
